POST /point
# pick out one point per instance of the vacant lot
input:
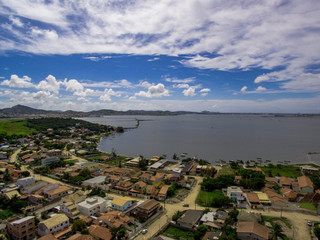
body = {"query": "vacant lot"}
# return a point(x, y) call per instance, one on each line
point(290, 171)
point(177, 233)
point(205, 198)
point(15, 127)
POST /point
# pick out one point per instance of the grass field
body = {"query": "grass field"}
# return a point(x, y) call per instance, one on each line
point(114, 162)
point(282, 170)
point(205, 198)
point(15, 127)
point(308, 206)
point(225, 170)
point(177, 233)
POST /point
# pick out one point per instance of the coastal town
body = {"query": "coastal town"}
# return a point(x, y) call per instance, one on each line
point(56, 184)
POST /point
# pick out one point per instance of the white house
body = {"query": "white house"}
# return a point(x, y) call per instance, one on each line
point(26, 182)
point(95, 182)
point(92, 205)
point(237, 195)
point(53, 225)
point(34, 187)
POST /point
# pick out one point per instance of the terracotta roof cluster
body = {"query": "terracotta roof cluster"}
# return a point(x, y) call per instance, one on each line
point(115, 218)
point(100, 232)
point(273, 196)
point(253, 197)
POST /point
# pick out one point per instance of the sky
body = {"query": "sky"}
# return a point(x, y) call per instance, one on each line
point(197, 55)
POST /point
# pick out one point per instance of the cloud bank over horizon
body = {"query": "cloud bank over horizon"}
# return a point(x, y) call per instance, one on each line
point(240, 52)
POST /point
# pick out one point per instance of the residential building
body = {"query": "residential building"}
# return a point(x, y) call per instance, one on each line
point(124, 185)
point(79, 236)
point(237, 195)
point(35, 199)
point(36, 186)
point(57, 192)
point(138, 187)
point(187, 168)
point(133, 162)
point(54, 153)
point(70, 209)
point(214, 220)
point(11, 194)
point(275, 198)
point(309, 170)
point(252, 231)
point(145, 177)
point(147, 208)
point(49, 236)
point(48, 160)
point(305, 184)
point(92, 205)
point(162, 195)
point(263, 198)
point(189, 219)
point(212, 235)
point(158, 165)
point(151, 190)
point(289, 194)
point(21, 228)
point(285, 182)
point(115, 219)
point(25, 182)
point(95, 182)
point(53, 225)
point(100, 233)
point(122, 203)
point(252, 199)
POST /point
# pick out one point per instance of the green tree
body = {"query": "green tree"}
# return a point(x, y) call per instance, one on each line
point(317, 232)
point(277, 232)
point(176, 216)
point(97, 192)
point(79, 225)
point(25, 173)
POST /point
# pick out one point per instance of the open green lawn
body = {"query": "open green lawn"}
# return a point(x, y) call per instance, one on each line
point(177, 233)
point(15, 127)
point(114, 162)
point(225, 170)
point(282, 170)
point(205, 198)
point(308, 206)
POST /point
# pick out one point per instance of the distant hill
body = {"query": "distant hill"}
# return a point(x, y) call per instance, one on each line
point(25, 111)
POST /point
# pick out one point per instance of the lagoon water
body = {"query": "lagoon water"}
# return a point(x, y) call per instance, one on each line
point(215, 137)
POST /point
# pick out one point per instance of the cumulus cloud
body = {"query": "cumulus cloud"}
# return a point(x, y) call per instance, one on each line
point(73, 85)
point(17, 82)
point(190, 92)
point(243, 90)
point(260, 89)
point(145, 84)
point(154, 91)
point(106, 96)
point(49, 84)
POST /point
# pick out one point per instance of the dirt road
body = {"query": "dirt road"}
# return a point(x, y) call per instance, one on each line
point(13, 157)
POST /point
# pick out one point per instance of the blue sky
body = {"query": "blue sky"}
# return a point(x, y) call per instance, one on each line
point(224, 56)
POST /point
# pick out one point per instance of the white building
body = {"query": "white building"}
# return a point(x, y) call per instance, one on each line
point(26, 182)
point(94, 182)
point(34, 187)
point(92, 205)
point(237, 195)
point(53, 225)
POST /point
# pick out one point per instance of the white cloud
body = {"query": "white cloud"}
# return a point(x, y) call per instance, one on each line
point(145, 84)
point(73, 85)
point(84, 93)
point(181, 85)
point(243, 90)
point(176, 80)
point(261, 89)
point(50, 84)
point(106, 96)
point(190, 92)
point(97, 59)
point(154, 91)
point(16, 82)
point(16, 21)
point(262, 78)
point(41, 95)
point(153, 59)
point(205, 90)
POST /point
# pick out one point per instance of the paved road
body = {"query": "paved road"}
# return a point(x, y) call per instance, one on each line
point(171, 209)
point(13, 157)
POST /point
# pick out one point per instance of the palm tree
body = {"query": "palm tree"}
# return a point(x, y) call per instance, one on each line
point(277, 232)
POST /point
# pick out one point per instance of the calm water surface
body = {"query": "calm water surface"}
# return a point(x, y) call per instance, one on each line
point(214, 137)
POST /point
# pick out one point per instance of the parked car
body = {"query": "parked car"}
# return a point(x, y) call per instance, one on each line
point(309, 223)
point(185, 205)
point(144, 231)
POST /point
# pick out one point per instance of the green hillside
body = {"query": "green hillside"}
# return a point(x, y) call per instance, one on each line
point(15, 127)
